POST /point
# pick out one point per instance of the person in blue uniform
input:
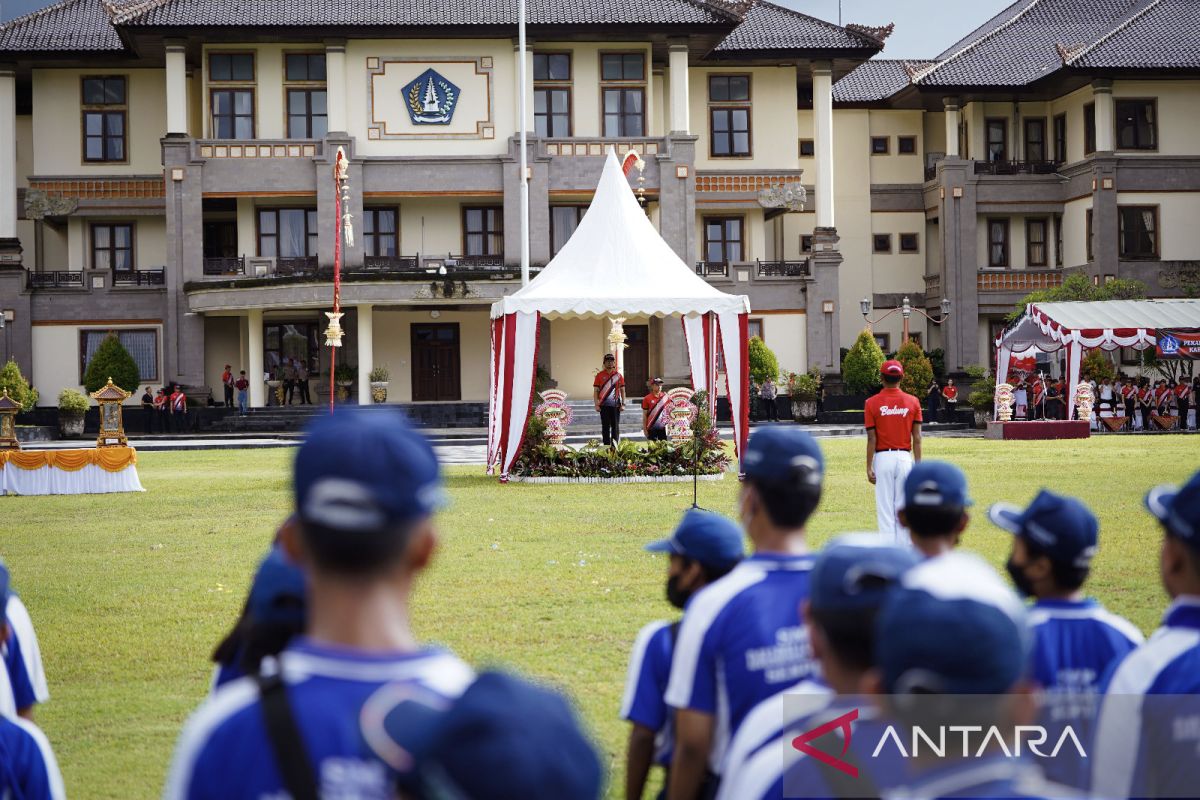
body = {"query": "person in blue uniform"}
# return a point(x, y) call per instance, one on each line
point(741, 640)
point(1076, 640)
point(850, 579)
point(28, 769)
point(365, 486)
point(935, 507)
point(1147, 733)
point(17, 695)
point(703, 548)
point(953, 628)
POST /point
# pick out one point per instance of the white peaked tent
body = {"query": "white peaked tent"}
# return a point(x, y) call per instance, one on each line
point(615, 264)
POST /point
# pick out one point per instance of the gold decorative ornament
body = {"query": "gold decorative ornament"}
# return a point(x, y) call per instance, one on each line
point(112, 426)
point(334, 333)
point(9, 409)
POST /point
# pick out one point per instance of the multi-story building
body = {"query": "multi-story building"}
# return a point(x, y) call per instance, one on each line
point(165, 172)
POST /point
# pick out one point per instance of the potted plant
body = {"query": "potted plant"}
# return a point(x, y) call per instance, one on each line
point(343, 376)
point(982, 398)
point(379, 384)
point(803, 389)
point(71, 409)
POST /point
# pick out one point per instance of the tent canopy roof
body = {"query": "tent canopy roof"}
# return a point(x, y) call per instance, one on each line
point(616, 264)
point(1104, 323)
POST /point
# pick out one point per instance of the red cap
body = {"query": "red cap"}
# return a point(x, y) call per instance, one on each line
point(892, 368)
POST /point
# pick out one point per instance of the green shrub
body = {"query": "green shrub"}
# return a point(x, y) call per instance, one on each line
point(983, 388)
point(1096, 367)
point(344, 373)
point(72, 404)
point(918, 372)
point(804, 385)
point(763, 363)
point(379, 375)
point(860, 367)
point(18, 388)
point(111, 360)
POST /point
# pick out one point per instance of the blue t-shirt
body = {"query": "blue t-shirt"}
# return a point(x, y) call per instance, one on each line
point(1148, 731)
point(28, 770)
point(646, 686)
point(777, 769)
point(994, 776)
point(18, 675)
point(1075, 643)
point(742, 641)
point(224, 751)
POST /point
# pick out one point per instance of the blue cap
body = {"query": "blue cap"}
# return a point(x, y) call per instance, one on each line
point(936, 484)
point(278, 595)
point(952, 626)
point(1062, 527)
point(503, 738)
point(703, 536)
point(365, 471)
point(1178, 509)
point(855, 572)
point(783, 454)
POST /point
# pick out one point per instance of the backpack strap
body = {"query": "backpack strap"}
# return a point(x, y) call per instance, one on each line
point(291, 758)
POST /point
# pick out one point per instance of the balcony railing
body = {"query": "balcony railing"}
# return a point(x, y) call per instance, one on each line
point(290, 266)
point(230, 265)
point(391, 264)
point(933, 285)
point(1016, 167)
point(58, 279)
point(783, 269)
point(141, 277)
point(712, 268)
point(931, 172)
point(1018, 280)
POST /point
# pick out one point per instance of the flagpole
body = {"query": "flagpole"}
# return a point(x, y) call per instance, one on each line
point(521, 81)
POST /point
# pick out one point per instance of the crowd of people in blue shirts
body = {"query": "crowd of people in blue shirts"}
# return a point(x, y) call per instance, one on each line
point(782, 678)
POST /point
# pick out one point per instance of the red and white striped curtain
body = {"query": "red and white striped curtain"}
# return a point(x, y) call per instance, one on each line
point(513, 369)
point(729, 332)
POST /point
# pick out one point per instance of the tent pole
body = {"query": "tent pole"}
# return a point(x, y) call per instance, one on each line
point(521, 79)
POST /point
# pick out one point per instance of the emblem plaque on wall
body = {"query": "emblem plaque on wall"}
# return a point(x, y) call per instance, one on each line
point(431, 99)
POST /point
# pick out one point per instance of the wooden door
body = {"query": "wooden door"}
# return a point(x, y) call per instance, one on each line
point(435, 362)
point(637, 360)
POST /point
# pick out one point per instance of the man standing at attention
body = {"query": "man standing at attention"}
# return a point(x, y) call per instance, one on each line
point(242, 385)
point(893, 422)
point(227, 384)
point(608, 392)
point(178, 402)
point(741, 640)
point(655, 412)
point(366, 487)
point(950, 395)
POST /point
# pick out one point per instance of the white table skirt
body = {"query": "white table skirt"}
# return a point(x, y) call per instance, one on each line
point(51, 480)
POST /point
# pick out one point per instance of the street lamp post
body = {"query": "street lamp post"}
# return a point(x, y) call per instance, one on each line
point(906, 310)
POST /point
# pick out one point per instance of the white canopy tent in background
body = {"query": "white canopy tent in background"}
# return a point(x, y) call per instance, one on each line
point(614, 265)
point(1106, 324)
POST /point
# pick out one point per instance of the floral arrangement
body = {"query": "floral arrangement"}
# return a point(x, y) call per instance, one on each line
point(1004, 401)
point(1083, 400)
point(557, 415)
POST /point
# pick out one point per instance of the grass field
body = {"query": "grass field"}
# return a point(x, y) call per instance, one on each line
point(130, 592)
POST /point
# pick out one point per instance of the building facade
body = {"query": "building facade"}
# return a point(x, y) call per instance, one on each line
point(166, 172)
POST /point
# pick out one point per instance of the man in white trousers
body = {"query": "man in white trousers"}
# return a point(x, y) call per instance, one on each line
point(893, 422)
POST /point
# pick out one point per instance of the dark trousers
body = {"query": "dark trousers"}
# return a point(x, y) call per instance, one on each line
point(769, 412)
point(656, 434)
point(303, 384)
point(610, 424)
point(289, 391)
point(1183, 412)
point(229, 397)
point(148, 414)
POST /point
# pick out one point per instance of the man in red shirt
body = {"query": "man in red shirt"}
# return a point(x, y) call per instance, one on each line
point(178, 404)
point(655, 412)
point(893, 422)
point(608, 392)
point(950, 395)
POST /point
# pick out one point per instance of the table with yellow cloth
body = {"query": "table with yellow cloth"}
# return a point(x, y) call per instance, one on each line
point(97, 470)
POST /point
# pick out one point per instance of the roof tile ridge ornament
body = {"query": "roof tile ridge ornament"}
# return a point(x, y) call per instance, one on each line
point(1071, 55)
point(876, 34)
point(737, 10)
point(121, 13)
point(971, 45)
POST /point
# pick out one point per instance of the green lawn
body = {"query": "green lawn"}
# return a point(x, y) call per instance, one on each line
point(130, 592)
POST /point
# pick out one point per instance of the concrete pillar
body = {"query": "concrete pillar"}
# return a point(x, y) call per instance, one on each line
point(953, 123)
point(177, 89)
point(1106, 224)
point(366, 351)
point(351, 256)
point(1106, 122)
point(335, 85)
point(258, 387)
point(8, 155)
point(822, 77)
point(680, 102)
point(960, 266)
point(183, 330)
point(677, 197)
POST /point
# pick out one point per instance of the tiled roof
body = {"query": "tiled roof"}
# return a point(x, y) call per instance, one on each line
point(1020, 46)
point(875, 80)
point(771, 27)
point(1163, 35)
point(67, 26)
point(423, 13)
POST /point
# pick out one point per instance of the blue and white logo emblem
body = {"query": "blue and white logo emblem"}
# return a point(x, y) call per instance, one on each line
point(431, 99)
point(1168, 344)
